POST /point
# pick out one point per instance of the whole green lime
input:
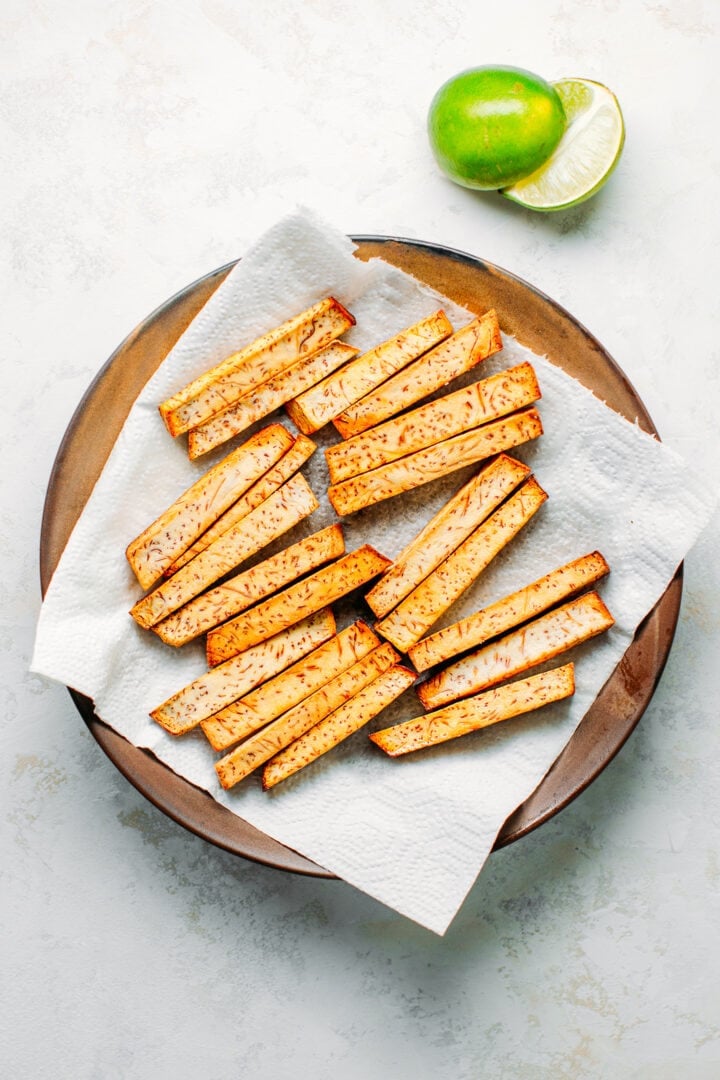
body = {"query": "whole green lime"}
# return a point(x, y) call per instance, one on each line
point(491, 126)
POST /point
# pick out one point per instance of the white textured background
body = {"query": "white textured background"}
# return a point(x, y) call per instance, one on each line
point(145, 144)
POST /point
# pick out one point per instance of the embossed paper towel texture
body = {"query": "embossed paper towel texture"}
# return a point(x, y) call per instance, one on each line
point(412, 833)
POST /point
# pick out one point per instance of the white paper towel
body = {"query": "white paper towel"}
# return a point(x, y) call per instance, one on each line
point(412, 833)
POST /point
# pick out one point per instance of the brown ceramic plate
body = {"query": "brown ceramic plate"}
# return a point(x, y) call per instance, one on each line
point(537, 322)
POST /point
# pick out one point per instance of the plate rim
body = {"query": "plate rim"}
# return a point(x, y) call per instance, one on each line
point(278, 855)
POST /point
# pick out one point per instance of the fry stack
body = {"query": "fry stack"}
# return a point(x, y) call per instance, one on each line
point(521, 632)
point(490, 510)
point(277, 664)
point(517, 633)
point(283, 683)
point(433, 440)
point(251, 383)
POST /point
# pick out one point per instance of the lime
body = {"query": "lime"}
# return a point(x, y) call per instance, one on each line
point(491, 126)
point(585, 156)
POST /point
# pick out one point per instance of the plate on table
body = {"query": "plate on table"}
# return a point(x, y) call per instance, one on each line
point(526, 314)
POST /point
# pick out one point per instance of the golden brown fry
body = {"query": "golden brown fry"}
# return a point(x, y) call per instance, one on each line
point(339, 725)
point(261, 400)
point(480, 711)
point(218, 688)
point(296, 602)
point(242, 591)
point(301, 449)
point(462, 351)
point(155, 549)
point(321, 404)
point(434, 462)
point(441, 419)
point(535, 643)
point(259, 361)
point(274, 698)
point(261, 746)
point(452, 524)
point(414, 616)
point(509, 612)
point(289, 505)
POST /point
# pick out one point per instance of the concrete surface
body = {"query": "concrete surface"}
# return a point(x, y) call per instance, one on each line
point(145, 144)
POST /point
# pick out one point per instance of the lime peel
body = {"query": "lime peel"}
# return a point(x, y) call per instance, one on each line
point(489, 126)
point(586, 155)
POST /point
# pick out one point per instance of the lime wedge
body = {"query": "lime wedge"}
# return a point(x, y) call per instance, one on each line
point(586, 154)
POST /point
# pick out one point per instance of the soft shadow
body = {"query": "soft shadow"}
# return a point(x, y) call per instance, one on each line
point(576, 219)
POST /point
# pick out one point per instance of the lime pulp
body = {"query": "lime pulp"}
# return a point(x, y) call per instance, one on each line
point(586, 155)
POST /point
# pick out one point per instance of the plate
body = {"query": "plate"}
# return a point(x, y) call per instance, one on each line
point(536, 321)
